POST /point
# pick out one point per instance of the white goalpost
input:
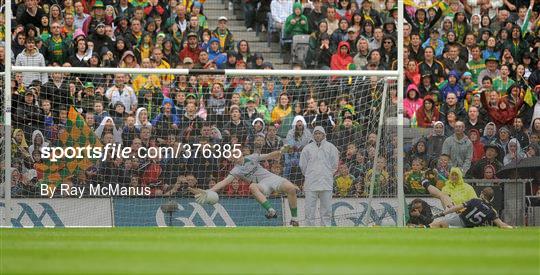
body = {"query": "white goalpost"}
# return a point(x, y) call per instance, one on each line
point(364, 123)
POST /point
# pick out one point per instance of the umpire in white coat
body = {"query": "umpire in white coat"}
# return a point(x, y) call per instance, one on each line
point(319, 161)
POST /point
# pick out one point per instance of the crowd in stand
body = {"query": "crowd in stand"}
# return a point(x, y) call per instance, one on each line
point(471, 70)
point(261, 113)
point(472, 77)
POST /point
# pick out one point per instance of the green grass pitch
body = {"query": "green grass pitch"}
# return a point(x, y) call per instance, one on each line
point(374, 250)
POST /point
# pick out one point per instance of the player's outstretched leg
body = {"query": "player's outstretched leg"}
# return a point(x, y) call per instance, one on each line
point(290, 189)
point(261, 199)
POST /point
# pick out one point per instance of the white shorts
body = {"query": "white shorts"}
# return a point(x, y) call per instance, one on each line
point(454, 220)
point(271, 184)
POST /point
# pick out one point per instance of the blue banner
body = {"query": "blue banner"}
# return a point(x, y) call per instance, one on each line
point(227, 212)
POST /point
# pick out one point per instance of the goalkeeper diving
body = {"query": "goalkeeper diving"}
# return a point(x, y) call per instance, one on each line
point(262, 183)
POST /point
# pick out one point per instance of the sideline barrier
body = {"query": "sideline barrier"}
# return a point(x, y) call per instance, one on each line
point(61, 212)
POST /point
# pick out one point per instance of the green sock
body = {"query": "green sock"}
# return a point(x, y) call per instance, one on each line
point(266, 205)
point(294, 212)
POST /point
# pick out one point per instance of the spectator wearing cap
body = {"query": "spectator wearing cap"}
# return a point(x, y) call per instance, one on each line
point(367, 11)
point(192, 49)
point(257, 62)
point(453, 86)
point(434, 42)
point(98, 16)
point(28, 116)
point(100, 39)
point(491, 69)
point(225, 36)
point(30, 56)
point(87, 97)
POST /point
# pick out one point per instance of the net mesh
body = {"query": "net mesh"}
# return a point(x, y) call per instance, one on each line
point(214, 112)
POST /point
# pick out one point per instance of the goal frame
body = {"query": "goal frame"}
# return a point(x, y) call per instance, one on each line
point(7, 108)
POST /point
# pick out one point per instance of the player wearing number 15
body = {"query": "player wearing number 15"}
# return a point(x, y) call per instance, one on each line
point(472, 213)
point(263, 183)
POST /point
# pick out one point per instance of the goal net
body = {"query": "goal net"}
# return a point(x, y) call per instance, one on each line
point(123, 149)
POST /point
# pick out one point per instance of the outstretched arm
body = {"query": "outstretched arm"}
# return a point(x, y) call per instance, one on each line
point(452, 210)
point(222, 184)
point(502, 224)
point(273, 155)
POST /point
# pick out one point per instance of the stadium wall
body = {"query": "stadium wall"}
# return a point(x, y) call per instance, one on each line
point(352, 211)
point(89, 212)
point(228, 212)
point(106, 212)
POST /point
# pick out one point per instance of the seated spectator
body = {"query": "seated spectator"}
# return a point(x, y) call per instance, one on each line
point(341, 60)
point(458, 190)
point(453, 86)
point(514, 152)
point(478, 147)
point(428, 113)
point(436, 139)
point(412, 102)
point(296, 23)
point(490, 158)
point(414, 178)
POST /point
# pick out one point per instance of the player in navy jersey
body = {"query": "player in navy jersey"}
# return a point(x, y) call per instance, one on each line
point(472, 213)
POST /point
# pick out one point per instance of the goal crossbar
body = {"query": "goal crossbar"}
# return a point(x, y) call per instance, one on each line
point(228, 72)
